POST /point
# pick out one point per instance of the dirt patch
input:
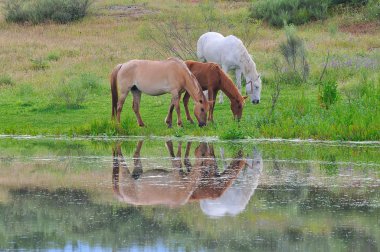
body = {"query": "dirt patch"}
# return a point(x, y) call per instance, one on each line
point(361, 28)
point(127, 11)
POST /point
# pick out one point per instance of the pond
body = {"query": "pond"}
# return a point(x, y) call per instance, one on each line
point(158, 194)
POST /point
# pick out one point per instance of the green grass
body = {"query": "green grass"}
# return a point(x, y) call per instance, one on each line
point(84, 53)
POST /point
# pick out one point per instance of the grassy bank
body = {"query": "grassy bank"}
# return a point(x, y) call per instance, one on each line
point(55, 80)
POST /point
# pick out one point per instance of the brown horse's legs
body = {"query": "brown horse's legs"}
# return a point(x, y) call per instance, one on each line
point(211, 97)
point(136, 106)
point(186, 98)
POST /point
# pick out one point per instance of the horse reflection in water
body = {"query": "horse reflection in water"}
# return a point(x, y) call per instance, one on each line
point(219, 193)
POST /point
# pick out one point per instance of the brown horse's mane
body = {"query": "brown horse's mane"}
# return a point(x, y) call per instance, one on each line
point(227, 85)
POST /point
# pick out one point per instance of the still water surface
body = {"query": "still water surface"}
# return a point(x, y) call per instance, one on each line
point(172, 195)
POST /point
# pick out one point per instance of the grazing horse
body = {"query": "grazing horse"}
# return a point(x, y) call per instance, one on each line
point(156, 78)
point(230, 53)
point(212, 78)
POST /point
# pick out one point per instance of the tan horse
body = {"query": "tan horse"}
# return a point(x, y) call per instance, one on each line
point(156, 78)
point(212, 78)
point(155, 187)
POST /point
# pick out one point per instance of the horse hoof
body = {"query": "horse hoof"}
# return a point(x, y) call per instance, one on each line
point(169, 126)
point(142, 125)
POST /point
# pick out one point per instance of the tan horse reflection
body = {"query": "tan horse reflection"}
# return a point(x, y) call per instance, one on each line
point(157, 187)
point(186, 182)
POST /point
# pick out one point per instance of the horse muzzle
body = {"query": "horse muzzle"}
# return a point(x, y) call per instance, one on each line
point(201, 124)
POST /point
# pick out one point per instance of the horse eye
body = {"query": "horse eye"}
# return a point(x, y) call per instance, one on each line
point(239, 107)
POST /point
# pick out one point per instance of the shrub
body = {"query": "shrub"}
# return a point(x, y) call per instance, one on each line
point(39, 11)
point(372, 10)
point(53, 56)
point(74, 92)
point(328, 92)
point(39, 64)
point(232, 133)
point(294, 53)
point(71, 94)
point(6, 80)
point(278, 12)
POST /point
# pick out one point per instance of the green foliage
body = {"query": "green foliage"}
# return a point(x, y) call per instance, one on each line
point(278, 12)
point(234, 132)
point(6, 80)
point(39, 11)
point(372, 10)
point(39, 64)
point(328, 92)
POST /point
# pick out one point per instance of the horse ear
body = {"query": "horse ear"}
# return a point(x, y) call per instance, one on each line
point(245, 97)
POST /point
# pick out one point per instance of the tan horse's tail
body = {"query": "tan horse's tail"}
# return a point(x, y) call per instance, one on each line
point(115, 96)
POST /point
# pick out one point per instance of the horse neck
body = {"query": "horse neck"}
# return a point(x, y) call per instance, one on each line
point(228, 87)
point(248, 66)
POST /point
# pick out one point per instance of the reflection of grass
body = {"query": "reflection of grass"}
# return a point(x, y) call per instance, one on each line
point(330, 167)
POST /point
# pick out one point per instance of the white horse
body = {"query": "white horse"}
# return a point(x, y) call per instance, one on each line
point(230, 53)
point(235, 199)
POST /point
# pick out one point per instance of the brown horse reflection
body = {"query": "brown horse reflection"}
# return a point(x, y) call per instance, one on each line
point(198, 180)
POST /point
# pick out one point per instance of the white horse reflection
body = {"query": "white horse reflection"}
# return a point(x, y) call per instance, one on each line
point(235, 199)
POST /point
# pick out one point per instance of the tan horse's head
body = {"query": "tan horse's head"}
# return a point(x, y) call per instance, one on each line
point(237, 107)
point(200, 111)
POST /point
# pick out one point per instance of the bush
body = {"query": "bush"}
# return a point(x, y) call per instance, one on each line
point(372, 10)
point(39, 64)
point(278, 12)
point(75, 92)
point(39, 11)
point(294, 53)
point(328, 92)
point(6, 80)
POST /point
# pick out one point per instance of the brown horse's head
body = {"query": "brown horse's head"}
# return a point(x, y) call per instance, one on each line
point(200, 111)
point(237, 107)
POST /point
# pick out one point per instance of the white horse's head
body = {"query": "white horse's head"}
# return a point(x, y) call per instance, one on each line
point(253, 88)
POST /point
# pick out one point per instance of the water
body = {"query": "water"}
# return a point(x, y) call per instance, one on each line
point(186, 195)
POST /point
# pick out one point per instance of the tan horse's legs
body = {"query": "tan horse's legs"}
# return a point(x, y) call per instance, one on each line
point(136, 106)
point(120, 104)
point(137, 170)
point(174, 104)
point(186, 98)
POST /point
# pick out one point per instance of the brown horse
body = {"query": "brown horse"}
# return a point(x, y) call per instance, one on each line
point(212, 78)
point(156, 78)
